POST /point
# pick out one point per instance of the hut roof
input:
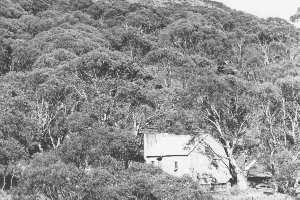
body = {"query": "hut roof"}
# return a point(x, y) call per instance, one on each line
point(172, 146)
point(183, 145)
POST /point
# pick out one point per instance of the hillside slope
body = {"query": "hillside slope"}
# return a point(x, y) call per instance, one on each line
point(82, 80)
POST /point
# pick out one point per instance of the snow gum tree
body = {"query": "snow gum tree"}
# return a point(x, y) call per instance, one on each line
point(230, 115)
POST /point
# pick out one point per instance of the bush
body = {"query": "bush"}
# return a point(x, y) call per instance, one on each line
point(287, 170)
point(235, 191)
point(48, 176)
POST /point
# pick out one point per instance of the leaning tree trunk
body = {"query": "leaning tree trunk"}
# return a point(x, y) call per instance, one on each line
point(240, 175)
point(4, 180)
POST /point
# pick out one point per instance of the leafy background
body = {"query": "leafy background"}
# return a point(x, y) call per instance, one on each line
point(82, 80)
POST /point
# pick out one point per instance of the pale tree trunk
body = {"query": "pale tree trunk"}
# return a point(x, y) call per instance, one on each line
point(238, 50)
point(136, 126)
point(166, 78)
point(294, 120)
point(104, 118)
point(136, 130)
point(275, 187)
point(11, 180)
point(270, 119)
point(296, 182)
point(229, 146)
point(51, 138)
point(53, 142)
point(4, 179)
point(240, 175)
point(45, 116)
point(41, 148)
point(283, 121)
point(265, 52)
point(58, 142)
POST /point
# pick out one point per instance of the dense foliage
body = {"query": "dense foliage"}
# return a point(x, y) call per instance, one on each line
point(81, 81)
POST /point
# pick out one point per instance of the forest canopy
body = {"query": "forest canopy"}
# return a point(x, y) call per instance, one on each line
point(82, 80)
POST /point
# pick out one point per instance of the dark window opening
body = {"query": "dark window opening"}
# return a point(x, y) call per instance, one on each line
point(176, 166)
point(152, 162)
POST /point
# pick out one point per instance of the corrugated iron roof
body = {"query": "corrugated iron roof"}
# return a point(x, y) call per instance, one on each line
point(216, 146)
point(172, 146)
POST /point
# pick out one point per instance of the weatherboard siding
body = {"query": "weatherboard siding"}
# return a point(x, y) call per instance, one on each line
point(193, 164)
point(168, 164)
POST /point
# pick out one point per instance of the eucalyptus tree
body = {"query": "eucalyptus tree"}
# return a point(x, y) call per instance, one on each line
point(229, 111)
point(164, 62)
point(291, 107)
point(296, 16)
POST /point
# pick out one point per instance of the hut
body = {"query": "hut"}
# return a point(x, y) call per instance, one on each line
point(203, 158)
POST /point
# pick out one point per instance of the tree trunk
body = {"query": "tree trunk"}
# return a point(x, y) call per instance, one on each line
point(275, 187)
point(11, 181)
point(240, 175)
point(58, 142)
point(4, 179)
point(135, 125)
point(169, 76)
point(40, 148)
point(242, 181)
point(52, 140)
point(283, 121)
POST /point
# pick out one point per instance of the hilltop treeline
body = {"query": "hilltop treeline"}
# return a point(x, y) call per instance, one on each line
point(81, 80)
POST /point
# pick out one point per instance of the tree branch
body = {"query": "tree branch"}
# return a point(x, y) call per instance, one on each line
point(250, 165)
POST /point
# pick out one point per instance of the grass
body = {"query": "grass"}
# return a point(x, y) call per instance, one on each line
point(251, 194)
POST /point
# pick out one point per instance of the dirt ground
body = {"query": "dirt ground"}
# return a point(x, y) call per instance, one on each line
point(4, 196)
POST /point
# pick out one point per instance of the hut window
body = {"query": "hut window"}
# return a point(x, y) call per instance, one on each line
point(176, 165)
point(152, 162)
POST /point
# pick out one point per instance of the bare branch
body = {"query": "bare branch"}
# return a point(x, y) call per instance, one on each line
point(250, 165)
